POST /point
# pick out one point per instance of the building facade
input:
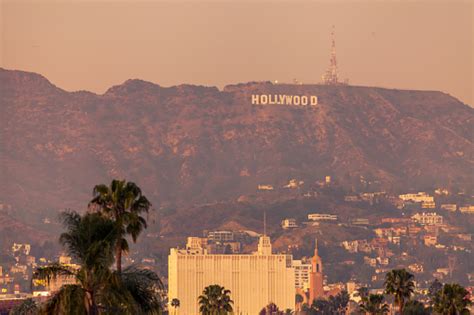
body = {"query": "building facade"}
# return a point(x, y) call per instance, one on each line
point(254, 280)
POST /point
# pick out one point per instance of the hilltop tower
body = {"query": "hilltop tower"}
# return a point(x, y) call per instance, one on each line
point(331, 75)
point(316, 276)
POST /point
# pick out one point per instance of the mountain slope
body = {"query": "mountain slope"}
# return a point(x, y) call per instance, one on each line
point(193, 144)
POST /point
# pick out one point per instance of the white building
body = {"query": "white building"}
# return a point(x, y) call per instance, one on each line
point(254, 280)
point(289, 223)
point(302, 271)
point(449, 207)
point(220, 236)
point(418, 197)
point(322, 217)
point(430, 218)
point(467, 209)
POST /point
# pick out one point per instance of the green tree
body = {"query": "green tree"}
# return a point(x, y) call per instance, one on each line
point(414, 307)
point(399, 283)
point(373, 304)
point(215, 300)
point(123, 202)
point(90, 240)
point(27, 307)
point(452, 299)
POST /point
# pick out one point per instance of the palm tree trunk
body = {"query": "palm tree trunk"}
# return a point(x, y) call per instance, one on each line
point(118, 257)
point(400, 306)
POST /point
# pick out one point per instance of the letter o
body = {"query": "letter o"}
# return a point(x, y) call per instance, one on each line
point(264, 99)
point(296, 100)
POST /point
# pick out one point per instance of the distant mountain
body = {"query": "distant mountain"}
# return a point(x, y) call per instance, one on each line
point(188, 144)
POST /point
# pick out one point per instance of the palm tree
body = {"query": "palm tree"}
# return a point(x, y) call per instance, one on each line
point(90, 240)
point(452, 299)
point(399, 283)
point(415, 307)
point(298, 301)
point(271, 309)
point(373, 304)
point(215, 300)
point(123, 202)
point(175, 303)
point(27, 307)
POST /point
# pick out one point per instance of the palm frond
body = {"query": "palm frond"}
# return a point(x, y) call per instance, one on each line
point(53, 271)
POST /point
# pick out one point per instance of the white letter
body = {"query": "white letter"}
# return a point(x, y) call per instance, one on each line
point(289, 100)
point(296, 100)
point(271, 101)
point(255, 99)
point(304, 100)
point(314, 100)
point(264, 99)
point(282, 99)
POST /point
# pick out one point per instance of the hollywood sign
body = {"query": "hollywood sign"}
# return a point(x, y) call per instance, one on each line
point(282, 99)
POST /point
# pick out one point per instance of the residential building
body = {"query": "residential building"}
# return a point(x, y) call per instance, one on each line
point(289, 223)
point(265, 187)
point(322, 217)
point(449, 207)
point(467, 209)
point(430, 240)
point(418, 197)
point(220, 236)
point(430, 218)
point(360, 221)
point(302, 274)
point(254, 280)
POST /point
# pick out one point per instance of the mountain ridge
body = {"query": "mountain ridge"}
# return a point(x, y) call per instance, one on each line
point(188, 144)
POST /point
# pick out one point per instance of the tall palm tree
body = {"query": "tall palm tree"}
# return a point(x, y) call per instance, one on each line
point(373, 304)
point(215, 300)
point(123, 202)
point(90, 240)
point(175, 303)
point(271, 309)
point(399, 283)
point(452, 299)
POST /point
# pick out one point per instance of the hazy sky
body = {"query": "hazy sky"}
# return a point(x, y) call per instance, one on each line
point(92, 45)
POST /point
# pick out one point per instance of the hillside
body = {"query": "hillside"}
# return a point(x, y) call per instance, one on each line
point(188, 145)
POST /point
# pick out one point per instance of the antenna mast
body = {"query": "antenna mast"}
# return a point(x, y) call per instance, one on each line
point(265, 222)
point(331, 75)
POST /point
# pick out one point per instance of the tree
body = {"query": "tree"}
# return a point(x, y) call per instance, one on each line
point(322, 307)
point(339, 302)
point(399, 283)
point(175, 304)
point(373, 304)
point(433, 290)
point(452, 299)
point(90, 240)
point(122, 202)
point(215, 300)
point(271, 309)
point(414, 307)
point(298, 301)
point(27, 307)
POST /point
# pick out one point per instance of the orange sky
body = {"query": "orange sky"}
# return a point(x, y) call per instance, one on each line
point(92, 45)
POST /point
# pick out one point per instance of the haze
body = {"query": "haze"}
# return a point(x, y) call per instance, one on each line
point(94, 45)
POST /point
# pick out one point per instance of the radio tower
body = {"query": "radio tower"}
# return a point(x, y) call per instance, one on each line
point(330, 77)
